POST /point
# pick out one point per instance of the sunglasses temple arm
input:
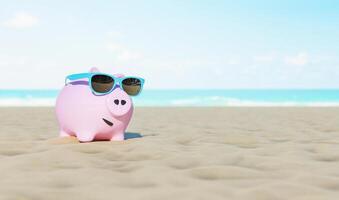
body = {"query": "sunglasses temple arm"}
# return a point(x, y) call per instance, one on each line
point(73, 77)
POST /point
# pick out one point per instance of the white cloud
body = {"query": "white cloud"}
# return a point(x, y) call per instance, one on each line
point(300, 59)
point(21, 21)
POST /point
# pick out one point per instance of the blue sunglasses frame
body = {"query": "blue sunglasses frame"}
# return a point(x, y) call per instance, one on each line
point(117, 80)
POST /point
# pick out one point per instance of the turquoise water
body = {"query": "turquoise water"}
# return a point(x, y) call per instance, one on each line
point(192, 98)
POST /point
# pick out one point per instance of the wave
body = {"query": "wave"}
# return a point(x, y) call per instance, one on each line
point(179, 102)
point(27, 102)
point(223, 101)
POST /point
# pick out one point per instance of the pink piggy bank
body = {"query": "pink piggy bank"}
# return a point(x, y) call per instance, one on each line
point(89, 116)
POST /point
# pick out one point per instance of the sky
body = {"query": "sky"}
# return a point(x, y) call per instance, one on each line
point(173, 44)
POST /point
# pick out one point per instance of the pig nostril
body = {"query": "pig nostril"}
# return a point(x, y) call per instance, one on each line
point(123, 102)
point(116, 101)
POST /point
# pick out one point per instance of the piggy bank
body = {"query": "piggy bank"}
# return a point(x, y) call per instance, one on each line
point(88, 116)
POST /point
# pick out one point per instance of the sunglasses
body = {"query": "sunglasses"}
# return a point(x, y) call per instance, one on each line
point(102, 84)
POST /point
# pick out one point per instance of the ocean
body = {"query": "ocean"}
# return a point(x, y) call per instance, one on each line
point(207, 98)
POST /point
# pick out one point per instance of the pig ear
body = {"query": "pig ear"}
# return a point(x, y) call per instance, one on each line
point(119, 75)
point(93, 70)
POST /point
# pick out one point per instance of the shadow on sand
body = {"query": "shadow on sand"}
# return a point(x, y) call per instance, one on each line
point(130, 135)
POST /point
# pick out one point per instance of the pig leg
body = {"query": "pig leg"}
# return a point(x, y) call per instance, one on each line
point(64, 134)
point(118, 137)
point(87, 137)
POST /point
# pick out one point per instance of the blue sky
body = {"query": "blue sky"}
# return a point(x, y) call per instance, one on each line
point(172, 44)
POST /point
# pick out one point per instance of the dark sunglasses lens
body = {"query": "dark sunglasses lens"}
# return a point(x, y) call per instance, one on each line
point(131, 86)
point(102, 83)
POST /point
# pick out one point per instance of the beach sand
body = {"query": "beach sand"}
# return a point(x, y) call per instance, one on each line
point(184, 153)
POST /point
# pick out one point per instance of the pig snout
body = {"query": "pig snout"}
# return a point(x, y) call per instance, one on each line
point(119, 103)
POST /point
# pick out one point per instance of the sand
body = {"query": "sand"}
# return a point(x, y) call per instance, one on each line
point(176, 153)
